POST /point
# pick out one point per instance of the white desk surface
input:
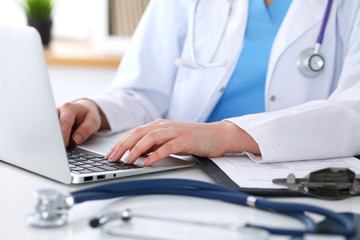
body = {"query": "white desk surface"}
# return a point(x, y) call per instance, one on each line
point(17, 186)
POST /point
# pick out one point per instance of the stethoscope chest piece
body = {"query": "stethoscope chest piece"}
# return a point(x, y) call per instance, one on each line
point(51, 209)
point(310, 63)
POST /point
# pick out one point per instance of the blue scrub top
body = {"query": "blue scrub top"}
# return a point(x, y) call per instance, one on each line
point(245, 91)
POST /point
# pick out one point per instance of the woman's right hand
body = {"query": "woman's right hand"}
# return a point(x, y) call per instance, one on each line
point(80, 119)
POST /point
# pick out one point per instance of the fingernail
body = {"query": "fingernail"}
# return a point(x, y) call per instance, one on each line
point(128, 158)
point(77, 139)
point(112, 157)
point(109, 153)
point(146, 161)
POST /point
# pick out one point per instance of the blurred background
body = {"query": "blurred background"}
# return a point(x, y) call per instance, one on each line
point(103, 23)
point(88, 39)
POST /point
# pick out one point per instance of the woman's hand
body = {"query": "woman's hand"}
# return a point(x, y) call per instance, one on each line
point(165, 137)
point(80, 119)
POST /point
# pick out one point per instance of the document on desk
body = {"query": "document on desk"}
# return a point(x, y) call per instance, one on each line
point(249, 174)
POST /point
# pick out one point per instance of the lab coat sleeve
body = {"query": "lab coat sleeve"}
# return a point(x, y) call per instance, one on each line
point(141, 90)
point(318, 129)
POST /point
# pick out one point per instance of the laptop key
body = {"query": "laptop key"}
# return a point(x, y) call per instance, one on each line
point(108, 168)
point(87, 166)
point(89, 162)
point(96, 169)
point(114, 163)
point(136, 166)
point(79, 163)
point(121, 167)
point(125, 166)
point(103, 162)
point(77, 169)
point(96, 164)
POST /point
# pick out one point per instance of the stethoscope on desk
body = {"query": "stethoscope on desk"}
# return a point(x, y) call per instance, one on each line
point(310, 62)
point(53, 206)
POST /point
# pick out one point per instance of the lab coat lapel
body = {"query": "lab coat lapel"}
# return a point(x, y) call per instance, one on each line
point(306, 12)
point(230, 47)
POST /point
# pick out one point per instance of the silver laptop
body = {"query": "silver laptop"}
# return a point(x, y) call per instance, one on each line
point(30, 134)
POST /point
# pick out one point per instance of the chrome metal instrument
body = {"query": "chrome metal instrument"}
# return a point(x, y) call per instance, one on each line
point(329, 183)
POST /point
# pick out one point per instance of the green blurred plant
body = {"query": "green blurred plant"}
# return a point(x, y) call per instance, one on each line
point(38, 9)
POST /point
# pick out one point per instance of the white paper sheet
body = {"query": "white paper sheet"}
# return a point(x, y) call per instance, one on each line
point(248, 174)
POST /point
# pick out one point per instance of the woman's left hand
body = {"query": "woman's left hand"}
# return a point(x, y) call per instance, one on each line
point(164, 137)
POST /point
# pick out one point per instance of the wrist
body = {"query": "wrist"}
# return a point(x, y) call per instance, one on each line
point(104, 124)
point(237, 139)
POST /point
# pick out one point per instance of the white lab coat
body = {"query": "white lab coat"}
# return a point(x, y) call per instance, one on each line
point(305, 118)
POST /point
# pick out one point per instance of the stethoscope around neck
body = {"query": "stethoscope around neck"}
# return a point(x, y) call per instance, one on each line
point(310, 61)
point(209, 63)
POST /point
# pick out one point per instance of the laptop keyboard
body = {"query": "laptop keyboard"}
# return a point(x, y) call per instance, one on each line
point(82, 161)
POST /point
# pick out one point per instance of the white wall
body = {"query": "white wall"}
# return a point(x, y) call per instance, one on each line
point(11, 13)
point(72, 19)
point(75, 19)
point(70, 83)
